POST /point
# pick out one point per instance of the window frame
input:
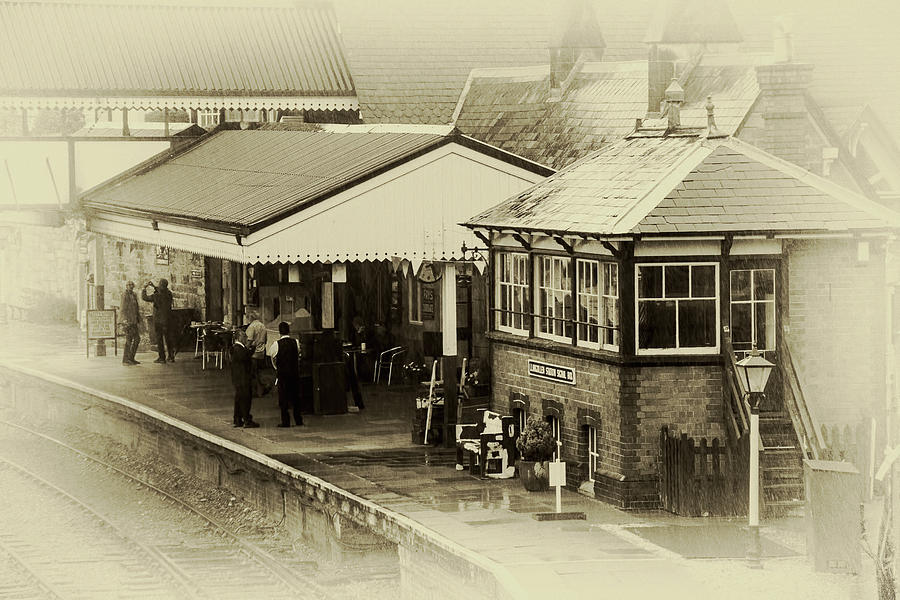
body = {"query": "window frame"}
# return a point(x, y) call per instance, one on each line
point(690, 350)
point(593, 451)
point(556, 431)
point(524, 289)
point(415, 300)
point(601, 295)
point(563, 320)
point(752, 302)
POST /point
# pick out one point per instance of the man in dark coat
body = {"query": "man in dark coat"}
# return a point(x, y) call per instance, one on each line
point(241, 379)
point(285, 353)
point(131, 318)
point(162, 318)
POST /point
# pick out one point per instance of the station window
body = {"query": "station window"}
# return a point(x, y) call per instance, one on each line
point(593, 453)
point(677, 308)
point(554, 428)
point(415, 299)
point(512, 292)
point(598, 304)
point(554, 298)
point(753, 309)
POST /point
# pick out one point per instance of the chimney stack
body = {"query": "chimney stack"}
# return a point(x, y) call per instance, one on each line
point(575, 34)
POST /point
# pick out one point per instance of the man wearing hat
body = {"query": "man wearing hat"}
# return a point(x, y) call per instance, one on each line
point(131, 318)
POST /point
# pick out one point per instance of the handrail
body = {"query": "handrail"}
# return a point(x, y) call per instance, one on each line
point(739, 410)
point(804, 423)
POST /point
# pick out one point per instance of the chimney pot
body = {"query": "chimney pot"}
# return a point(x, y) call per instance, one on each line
point(674, 100)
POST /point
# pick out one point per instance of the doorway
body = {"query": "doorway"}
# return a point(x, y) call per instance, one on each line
point(214, 304)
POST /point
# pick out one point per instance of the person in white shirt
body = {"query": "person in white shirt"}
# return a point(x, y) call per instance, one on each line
point(257, 337)
point(285, 354)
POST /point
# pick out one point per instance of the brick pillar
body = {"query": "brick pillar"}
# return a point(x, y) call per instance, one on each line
point(782, 100)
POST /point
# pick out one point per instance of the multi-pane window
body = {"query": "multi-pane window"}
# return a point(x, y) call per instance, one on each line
point(554, 298)
point(677, 308)
point(554, 429)
point(753, 309)
point(593, 452)
point(512, 291)
point(208, 118)
point(598, 303)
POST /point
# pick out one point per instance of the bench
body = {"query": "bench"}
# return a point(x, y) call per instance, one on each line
point(489, 444)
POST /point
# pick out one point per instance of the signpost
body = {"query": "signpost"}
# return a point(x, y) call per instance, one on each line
point(101, 325)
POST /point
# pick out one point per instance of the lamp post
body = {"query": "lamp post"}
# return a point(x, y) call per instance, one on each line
point(756, 371)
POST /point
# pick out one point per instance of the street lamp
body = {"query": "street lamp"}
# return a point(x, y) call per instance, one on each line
point(756, 371)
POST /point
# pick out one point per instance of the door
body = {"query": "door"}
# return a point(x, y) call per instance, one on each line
point(214, 302)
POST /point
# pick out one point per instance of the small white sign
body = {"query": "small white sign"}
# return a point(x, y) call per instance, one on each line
point(558, 474)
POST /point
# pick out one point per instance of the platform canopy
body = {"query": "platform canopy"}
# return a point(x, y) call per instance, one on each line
point(331, 193)
point(102, 55)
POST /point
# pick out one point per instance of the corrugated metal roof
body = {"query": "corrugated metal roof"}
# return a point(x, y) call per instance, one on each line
point(57, 49)
point(662, 185)
point(244, 178)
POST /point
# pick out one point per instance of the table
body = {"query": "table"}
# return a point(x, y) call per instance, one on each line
point(224, 338)
point(353, 352)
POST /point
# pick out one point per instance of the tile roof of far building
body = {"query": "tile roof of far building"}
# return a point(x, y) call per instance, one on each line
point(410, 60)
point(684, 184)
point(152, 50)
point(514, 109)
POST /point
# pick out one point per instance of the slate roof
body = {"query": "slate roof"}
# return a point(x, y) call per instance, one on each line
point(74, 49)
point(514, 109)
point(237, 180)
point(410, 60)
point(684, 185)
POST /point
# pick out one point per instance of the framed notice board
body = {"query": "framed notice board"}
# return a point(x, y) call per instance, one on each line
point(101, 325)
point(427, 303)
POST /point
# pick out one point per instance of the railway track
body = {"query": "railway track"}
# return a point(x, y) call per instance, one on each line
point(115, 545)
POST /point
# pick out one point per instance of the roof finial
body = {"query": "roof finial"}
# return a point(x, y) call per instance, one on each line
point(711, 130)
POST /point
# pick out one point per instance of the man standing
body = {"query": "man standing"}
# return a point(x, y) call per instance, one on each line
point(256, 338)
point(285, 353)
point(162, 318)
point(241, 379)
point(131, 318)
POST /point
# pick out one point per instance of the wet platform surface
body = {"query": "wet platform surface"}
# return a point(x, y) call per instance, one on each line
point(370, 453)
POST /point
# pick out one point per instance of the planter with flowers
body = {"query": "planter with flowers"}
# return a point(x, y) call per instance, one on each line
point(536, 446)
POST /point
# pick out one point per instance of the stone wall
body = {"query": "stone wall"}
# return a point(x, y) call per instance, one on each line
point(39, 269)
point(135, 261)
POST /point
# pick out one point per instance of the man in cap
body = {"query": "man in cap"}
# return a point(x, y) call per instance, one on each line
point(131, 318)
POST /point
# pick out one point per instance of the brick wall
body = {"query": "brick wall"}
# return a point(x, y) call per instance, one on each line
point(837, 327)
point(126, 260)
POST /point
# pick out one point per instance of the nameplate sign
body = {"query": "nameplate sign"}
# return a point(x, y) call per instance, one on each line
point(550, 372)
point(101, 324)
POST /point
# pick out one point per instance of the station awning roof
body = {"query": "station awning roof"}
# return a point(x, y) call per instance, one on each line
point(332, 193)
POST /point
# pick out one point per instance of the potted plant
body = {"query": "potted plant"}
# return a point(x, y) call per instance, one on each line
point(536, 446)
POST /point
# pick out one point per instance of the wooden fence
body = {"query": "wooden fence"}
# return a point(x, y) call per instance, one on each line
point(703, 479)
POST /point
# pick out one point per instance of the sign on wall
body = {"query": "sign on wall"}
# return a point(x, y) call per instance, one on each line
point(162, 255)
point(550, 372)
point(427, 303)
point(101, 325)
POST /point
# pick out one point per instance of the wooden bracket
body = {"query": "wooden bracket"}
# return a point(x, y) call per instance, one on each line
point(484, 238)
point(726, 244)
point(566, 245)
point(525, 243)
point(615, 251)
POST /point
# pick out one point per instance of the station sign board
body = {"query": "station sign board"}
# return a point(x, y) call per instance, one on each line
point(556, 373)
point(101, 325)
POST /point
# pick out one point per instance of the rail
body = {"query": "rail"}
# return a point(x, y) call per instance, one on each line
point(737, 408)
point(808, 430)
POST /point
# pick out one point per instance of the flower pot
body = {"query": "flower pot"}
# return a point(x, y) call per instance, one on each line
point(535, 476)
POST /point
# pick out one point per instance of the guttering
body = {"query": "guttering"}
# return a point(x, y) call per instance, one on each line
point(157, 217)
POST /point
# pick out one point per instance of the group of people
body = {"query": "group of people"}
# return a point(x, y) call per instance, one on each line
point(248, 354)
point(248, 357)
point(161, 298)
